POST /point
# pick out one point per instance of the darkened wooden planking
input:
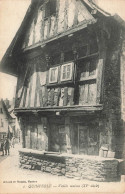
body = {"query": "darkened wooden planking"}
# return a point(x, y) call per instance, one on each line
point(99, 79)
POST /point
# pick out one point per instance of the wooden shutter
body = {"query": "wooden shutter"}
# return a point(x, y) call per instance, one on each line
point(92, 93)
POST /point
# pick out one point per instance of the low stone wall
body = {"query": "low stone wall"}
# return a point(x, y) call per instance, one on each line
point(71, 166)
point(98, 170)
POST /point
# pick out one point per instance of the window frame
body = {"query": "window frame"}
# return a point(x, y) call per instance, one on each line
point(71, 72)
point(88, 73)
point(56, 77)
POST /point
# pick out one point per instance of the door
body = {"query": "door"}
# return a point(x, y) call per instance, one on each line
point(62, 138)
point(82, 139)
point(79, 139)
point(54, 138)
point(85, 139)
point(58, 138)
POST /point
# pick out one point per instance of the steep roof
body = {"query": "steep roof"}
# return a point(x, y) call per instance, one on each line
point(8, 64)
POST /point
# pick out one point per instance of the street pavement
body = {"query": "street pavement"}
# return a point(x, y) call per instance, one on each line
point(16, 180)
point(2, 157)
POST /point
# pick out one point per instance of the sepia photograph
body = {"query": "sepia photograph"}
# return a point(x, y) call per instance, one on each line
point(62, 96)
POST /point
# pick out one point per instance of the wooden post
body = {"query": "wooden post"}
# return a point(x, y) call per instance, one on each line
point(22, 122)
point(99, 80)
point(44, 122)
point(47, 60)
point(102, 46)
point(48, 134)
point(67, 129)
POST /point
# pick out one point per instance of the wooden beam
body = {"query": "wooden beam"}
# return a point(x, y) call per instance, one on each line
point(81, 26)
point(76, 13)
point(25, 94)
point(67, 129)
point(66, 110)
point(42, 26)
point(99, 79)
point(65, 16)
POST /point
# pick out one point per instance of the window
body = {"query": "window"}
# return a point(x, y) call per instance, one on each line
point(87, 69)
point(53, 75)
point(66, 72)
point(90, 78)
point(50, 8)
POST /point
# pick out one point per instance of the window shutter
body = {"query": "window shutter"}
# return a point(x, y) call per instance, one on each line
point(65, 96)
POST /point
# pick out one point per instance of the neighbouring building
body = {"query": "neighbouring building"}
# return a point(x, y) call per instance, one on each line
point(9, 126)
point(5, 121)
point(69, 57)
point(14, 123)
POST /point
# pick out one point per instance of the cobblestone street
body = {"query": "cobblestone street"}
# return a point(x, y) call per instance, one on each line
point(17, 180)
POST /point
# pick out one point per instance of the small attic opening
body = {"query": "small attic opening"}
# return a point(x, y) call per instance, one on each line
point(50, 8)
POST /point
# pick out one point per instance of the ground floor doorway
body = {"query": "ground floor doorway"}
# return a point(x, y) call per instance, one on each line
point(85, 139)
point(58, 138)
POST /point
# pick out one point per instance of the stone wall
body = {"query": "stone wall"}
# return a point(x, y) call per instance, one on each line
point(71, 166)
point(112, 129)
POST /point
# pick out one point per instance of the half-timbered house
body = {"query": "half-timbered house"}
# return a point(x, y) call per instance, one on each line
point(68, 56)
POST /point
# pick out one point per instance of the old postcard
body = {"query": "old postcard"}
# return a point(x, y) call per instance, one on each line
point(62, 96)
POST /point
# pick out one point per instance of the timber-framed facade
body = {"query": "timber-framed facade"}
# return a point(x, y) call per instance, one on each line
point(68, 61)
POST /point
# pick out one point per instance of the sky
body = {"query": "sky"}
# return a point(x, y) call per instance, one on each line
point(11, 15)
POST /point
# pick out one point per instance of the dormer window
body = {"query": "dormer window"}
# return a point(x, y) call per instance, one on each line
point(50, 8)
